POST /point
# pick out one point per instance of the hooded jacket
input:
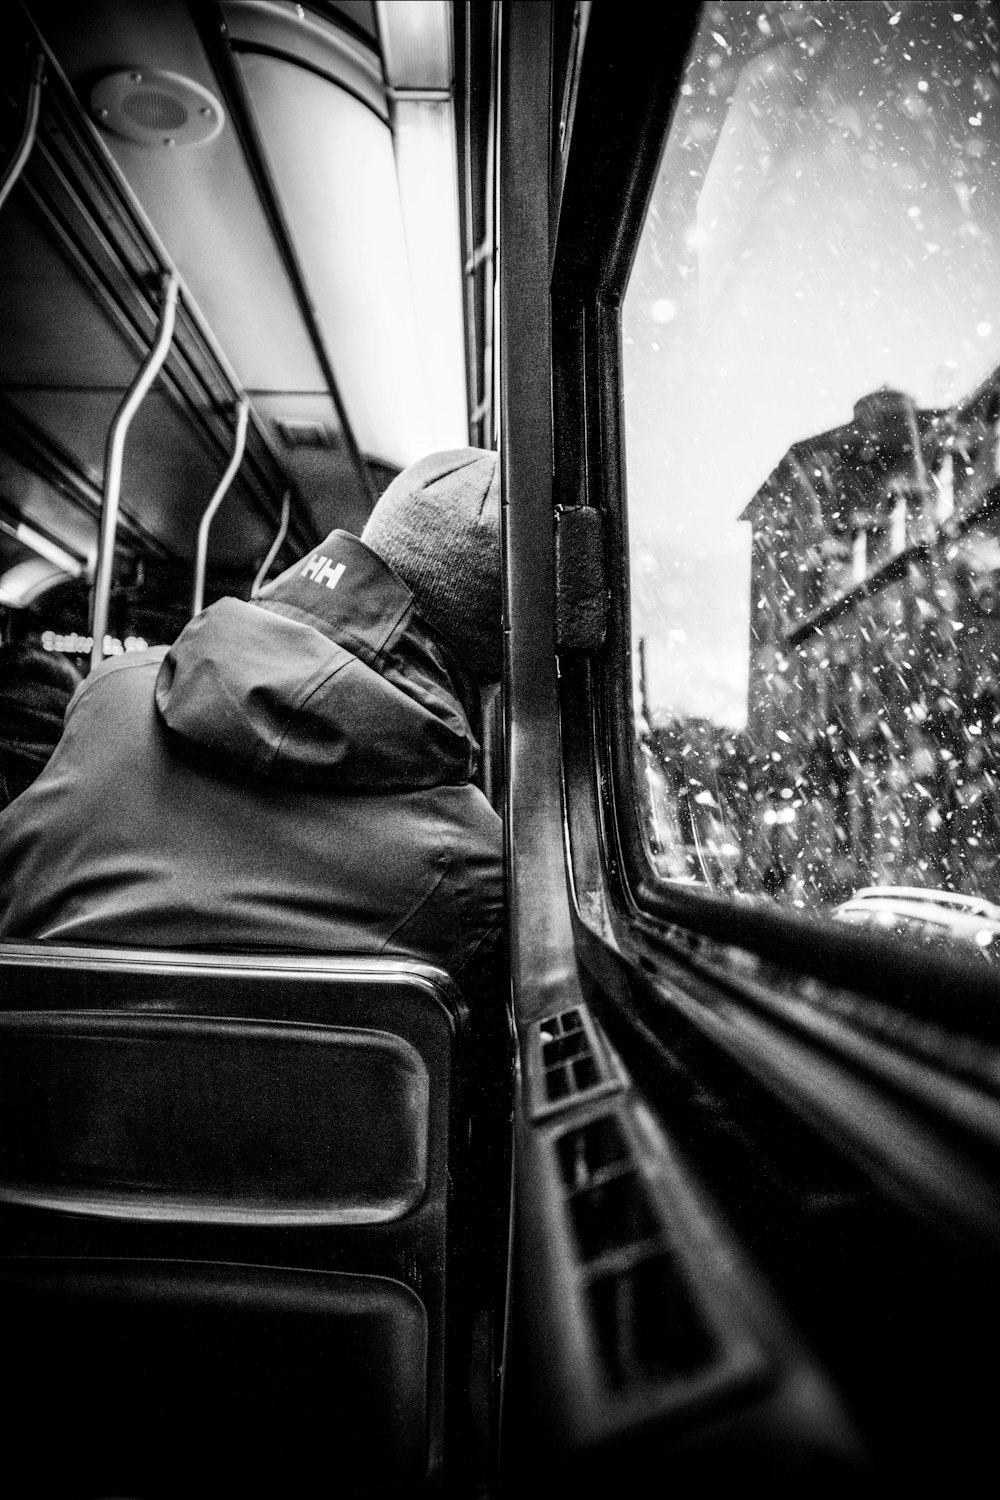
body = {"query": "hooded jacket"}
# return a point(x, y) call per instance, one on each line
point(290, 774)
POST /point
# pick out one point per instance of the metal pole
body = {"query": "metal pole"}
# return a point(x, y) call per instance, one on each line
point(282, 532)
point(201, 555)
point(15, 166)
point(113, 455)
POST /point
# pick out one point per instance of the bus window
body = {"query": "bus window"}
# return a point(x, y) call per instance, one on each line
point(811, 365)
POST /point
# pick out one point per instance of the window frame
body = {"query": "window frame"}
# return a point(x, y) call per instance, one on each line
point(624, 107)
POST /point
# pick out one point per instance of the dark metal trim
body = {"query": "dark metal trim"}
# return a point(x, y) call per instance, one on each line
point(211, 26)
point(338, 20)
point(358, 968)
point(261, 49)
point(867, 1098)
point(542, 968)
point(624, 101)
point(615, 147)
point(475, 46)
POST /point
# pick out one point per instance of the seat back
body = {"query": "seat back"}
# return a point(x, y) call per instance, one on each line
point(225, 1204)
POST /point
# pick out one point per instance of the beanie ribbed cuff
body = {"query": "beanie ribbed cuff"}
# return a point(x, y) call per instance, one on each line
point(437, 527)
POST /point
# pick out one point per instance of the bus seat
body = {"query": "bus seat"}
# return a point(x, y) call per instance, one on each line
point(229, 1192)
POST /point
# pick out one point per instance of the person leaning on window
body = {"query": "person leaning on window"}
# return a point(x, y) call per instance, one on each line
point(295, 772)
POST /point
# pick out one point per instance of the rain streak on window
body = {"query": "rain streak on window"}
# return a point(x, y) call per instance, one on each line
point(811, 344)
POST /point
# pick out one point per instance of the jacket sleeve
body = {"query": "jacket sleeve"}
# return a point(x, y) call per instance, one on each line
point(461, 924)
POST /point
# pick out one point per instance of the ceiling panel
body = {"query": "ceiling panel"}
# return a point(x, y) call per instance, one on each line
point(200, 198)
point(307, 435)
point(335, 167)
point(52, 332)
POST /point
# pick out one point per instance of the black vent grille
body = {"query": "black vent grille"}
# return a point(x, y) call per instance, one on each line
point(646, 1323)
point(570, 1061)
point(567, 1056)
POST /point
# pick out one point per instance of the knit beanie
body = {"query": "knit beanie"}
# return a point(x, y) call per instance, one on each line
point(438, 528)
point(35, 689)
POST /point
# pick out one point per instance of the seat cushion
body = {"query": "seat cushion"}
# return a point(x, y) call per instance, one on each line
point(210, 1120)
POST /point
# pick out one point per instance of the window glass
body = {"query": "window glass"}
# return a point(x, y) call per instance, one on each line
point(811, 347)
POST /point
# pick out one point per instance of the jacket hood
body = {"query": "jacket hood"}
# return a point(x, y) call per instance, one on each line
point(331, 677)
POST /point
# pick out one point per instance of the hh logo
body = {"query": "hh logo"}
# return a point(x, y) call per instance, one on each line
point(321, 570)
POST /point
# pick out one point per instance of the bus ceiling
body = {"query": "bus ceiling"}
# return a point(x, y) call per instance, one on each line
point(295, 168)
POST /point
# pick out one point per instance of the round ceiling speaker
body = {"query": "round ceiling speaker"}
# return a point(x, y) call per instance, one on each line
point(156, 108)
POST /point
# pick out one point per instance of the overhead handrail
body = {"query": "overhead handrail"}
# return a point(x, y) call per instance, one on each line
point(201, 554)
point(15, 166)
point(114, 452)
point(92, 213)
point(276, 545)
